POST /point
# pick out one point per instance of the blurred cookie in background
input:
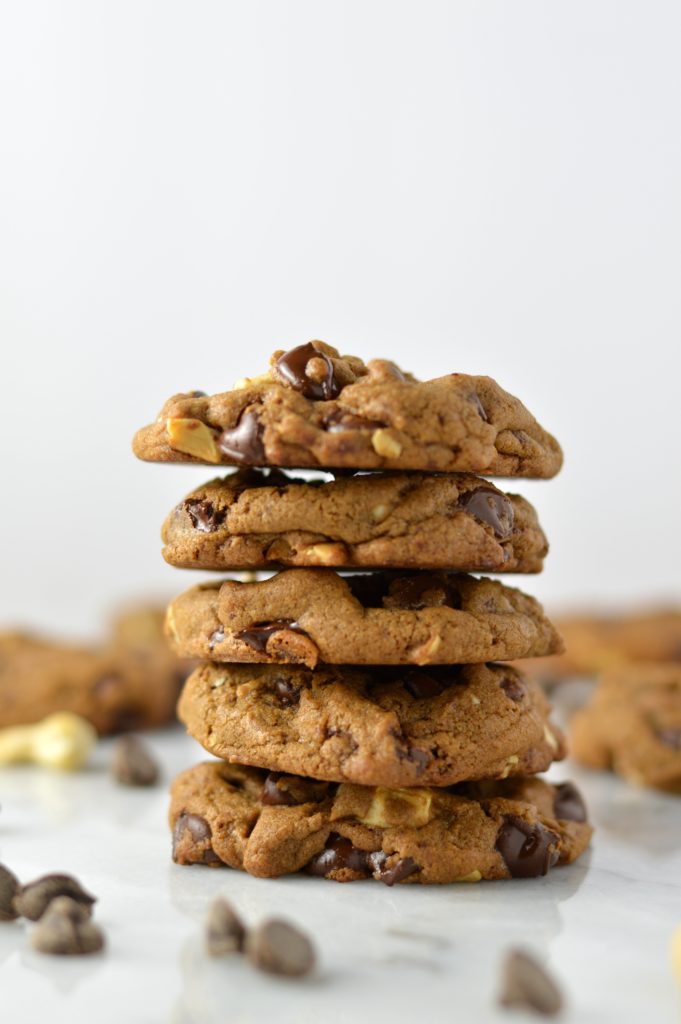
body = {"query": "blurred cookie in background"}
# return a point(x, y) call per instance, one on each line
point(130, 681)
point(632, 725)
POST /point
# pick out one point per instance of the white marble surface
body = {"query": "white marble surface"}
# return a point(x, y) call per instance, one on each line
point(387, 955)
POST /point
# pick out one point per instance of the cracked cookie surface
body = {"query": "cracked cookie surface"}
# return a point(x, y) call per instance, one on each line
point(306, 616)
point(399, 727)
point(254, 520)
point(272, 825)
point(315, 408)
point(632, 725)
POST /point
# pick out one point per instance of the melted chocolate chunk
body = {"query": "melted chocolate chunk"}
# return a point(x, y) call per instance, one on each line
point(286, 693)
point(404, 867)
point(423, 685)
point(513, 688)
point(204, 515)
point(216, 638)
point(670, 736)
point(489, 508)
point(526, 849)
point(568, 803)
point(291, 368)
point(196, 394)
point(257, 635)
point(243, 443)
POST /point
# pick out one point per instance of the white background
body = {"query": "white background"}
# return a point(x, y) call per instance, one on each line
point(462, 186)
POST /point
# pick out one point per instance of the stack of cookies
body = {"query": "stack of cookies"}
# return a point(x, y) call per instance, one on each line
point(366, 722)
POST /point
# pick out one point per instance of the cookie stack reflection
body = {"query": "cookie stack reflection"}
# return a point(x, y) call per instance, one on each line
point(359, 695)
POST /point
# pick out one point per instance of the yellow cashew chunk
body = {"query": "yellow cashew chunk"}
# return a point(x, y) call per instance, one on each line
point(62, 740)
point(675, 950)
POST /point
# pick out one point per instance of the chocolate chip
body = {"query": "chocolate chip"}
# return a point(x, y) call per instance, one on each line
point(420, 758)
point(670, 736)
point(491, 508)
point(475, 399)
point(205, 517)
point(196, 394)
point(225, 931)
point(133, 763)
point(257, 635)
point(568, 803)
point(275, 794)
point(526, 984)
point(286, 692)
point(526, 849)
point(404, 867)
point(65, 930)
point(216, 637)
point(292, 369)
point(339, 853)
point(513, 687)
point(34, 899)
point(243, 443)
point(406, 752)
point(196, 829)
point(423, 685)
point(9, 889)
point(279, 948)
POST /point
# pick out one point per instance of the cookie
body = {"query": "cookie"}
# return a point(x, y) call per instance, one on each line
point(130, 682)
point(252, 520)
point(632, 725)
point(270, 825)
point(594, 643)
point(306, 616)
point(317, 408)
point(392, 727)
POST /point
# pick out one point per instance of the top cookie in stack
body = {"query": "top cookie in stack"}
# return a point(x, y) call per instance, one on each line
point(416, 515)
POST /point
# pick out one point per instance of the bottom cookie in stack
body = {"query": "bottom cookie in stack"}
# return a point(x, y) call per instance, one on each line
point(427, 774)
point(271, 825)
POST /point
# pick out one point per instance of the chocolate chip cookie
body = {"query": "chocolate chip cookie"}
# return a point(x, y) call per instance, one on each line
point(317, 408)
point(253, 520)
point(378, 726)
point(272, 825)
point(633, 725)
point(306, 616)
point(130, 682)
point(594, 643)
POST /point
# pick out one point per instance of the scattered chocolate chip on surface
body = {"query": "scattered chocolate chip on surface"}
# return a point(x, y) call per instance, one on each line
point(527, 985)
point(225, 931)
point(65, 929)
point(133, 763)
point(9, 889)
point(33, 899)
point(278, 948)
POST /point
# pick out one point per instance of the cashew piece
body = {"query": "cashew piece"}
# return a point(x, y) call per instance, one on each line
point(62, 740)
